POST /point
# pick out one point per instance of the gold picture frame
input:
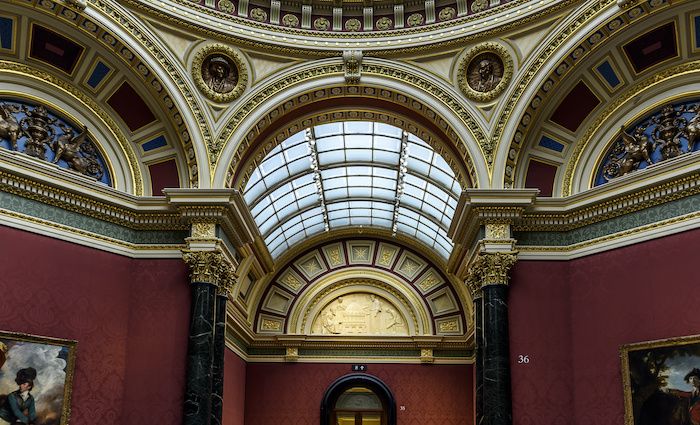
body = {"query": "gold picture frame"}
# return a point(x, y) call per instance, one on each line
point(49, 364)
point(659, 380)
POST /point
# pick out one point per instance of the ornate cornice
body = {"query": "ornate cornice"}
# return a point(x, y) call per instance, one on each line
point(405, 41)
point(597, 205)
point(491, 268)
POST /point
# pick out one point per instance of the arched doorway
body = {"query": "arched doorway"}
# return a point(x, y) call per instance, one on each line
point(358, 399)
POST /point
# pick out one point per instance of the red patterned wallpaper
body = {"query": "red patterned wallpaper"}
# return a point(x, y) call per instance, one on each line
point(571, 319)
point(130, 318)
point(285, 394)
point(234, 389)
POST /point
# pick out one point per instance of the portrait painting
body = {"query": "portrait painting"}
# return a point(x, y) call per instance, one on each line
point(36, 375)
point(661, 381)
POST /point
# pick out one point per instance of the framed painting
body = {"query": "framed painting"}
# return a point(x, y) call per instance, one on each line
point(36, 376)
point(661, 381)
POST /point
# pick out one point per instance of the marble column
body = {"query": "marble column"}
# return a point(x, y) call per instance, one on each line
point(204, 270)
point(217, 393)
point(479, 342)
point(495, 362)
point(474, 284)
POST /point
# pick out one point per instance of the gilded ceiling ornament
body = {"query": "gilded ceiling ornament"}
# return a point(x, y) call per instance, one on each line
point(447, 13)
point(258, 14)
point(497, 231)
point(448, 326)
point(291, 21)
point(479, 5)
point(226, 6)
point(415, 19)
point(485, 71)
point(321, 24)
point(79, 4)
point(353, 24)
point(352, 61)
point(271, 325)
point(383, 23)
point(203, 230)
point(219, 73)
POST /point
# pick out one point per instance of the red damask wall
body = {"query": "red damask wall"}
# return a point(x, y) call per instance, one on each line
point(130, 318)
point(571, 319)
point(282, 394)
point(234, 389)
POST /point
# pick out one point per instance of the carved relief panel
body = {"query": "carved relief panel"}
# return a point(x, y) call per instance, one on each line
point(359, 314)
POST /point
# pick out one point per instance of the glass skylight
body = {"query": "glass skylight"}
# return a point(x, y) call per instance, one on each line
point(353, 173)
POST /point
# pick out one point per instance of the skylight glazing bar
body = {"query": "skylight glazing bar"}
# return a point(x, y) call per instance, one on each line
point(403, 169)
point(311, 140)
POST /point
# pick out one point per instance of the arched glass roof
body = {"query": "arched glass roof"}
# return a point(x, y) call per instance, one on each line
point(353, 173)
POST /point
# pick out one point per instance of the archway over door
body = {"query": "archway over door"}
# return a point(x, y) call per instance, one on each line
point(375, 402)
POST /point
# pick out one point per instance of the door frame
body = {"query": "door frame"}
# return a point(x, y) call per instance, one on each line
point(340, 385)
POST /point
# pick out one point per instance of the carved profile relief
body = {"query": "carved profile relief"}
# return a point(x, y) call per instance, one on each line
point(219, 72)
point(485, 71)
point(359, 314)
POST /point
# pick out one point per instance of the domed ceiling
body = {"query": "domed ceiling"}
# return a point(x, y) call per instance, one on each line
point(351, 23)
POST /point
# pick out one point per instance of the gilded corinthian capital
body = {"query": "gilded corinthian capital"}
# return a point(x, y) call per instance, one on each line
point(227, 277)
point(491, 269)
point(205, 266)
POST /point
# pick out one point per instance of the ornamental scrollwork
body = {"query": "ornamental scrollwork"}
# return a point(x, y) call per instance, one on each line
point(671, 132)
point(490, 269)
point(34, 131)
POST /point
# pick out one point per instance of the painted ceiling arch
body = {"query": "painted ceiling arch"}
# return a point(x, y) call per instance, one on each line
point(600, 69)
point(112, 67)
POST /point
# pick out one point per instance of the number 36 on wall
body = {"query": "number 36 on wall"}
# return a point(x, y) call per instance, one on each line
point(523, 359)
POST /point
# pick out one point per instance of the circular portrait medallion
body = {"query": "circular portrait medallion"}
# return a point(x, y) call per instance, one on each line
point(219, 73)
point(485, 71)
